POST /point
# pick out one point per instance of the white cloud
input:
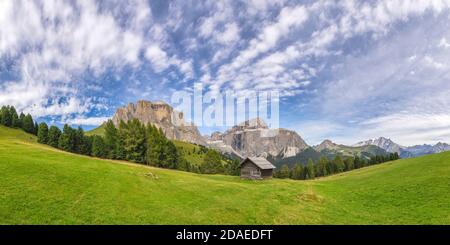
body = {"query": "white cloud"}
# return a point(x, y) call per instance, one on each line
point(88, 121)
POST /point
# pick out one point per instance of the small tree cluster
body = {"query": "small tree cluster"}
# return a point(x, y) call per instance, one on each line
point(10, 118)
point(325, 166)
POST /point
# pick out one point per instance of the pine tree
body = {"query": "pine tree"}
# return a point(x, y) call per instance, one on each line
point(284, 172)
point(28, 124)
point(42, 135)
point(6, 118)
point(14, 117)
point(53, 136)
point(349, 164)
point(212, 163)
point(297, 172)
point(309, 170)
point(322, 169)
point(35, 128)
point(98, 147)
point(357, 162)
point(67, 140)
point(111, 139)
point(338, 164)
point(132, 134)
point(21, 118)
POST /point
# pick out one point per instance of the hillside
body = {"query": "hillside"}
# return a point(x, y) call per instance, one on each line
point(191, 152)
point(42, 185)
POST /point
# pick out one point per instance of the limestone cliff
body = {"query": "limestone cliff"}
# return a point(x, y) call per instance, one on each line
point(162, 116)
point(254, 138)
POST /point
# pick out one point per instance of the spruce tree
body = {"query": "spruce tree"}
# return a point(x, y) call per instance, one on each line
point(349, 164)
point(322, 169)
point(284, 172)
point(6, 118)
point(42, 135)
point(53, 136)
point(15, 123)
point(338, 164)
point(212, 163)
point(133, 136)
point(309, 170)
point(111, 139)
point(297, 172)
point(28, 124)
point(21, 118)
point(98, 147)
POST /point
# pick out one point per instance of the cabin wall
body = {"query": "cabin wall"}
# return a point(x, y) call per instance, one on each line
point(267, 173)
point(250, 171)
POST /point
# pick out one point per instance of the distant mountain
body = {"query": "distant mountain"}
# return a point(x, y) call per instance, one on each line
point(254, 138)
point(162, 116)
point(420, 150)
point(384, 143)
point(405, 152)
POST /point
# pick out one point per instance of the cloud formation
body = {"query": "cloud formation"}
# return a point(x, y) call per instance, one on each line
point(356, 66)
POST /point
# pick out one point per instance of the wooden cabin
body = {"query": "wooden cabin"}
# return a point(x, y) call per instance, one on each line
point(256, 168)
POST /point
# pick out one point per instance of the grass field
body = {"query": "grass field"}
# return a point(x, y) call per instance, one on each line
point(41, 185)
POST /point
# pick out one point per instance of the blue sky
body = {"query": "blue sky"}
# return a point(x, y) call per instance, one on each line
point(346, 70)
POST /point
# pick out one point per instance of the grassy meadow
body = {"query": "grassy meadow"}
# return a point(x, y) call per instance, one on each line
point(42, 185)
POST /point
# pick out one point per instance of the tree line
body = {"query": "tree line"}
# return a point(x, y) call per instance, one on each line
point(325, 166)
point(10, 118)
point(130, 141)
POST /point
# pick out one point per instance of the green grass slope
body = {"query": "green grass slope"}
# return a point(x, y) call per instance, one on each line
point(100, 130)
point(41, 185)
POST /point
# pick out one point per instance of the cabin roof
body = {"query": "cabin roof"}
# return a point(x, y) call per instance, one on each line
point(260, 162)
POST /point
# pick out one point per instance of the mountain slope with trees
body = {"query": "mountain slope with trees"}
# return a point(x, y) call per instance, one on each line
point(44, 185)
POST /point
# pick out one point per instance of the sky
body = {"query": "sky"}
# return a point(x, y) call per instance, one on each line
point(345, 70)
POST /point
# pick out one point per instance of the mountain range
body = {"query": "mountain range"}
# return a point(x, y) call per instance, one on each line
point(406, 151)
point(255, 138)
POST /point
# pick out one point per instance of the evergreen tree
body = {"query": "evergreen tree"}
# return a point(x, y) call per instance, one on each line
point(349, 164)
point(338, 164)
point(309, 170)
point(297, 172)
point(396, 156)
point(212, 163)
point(53, 136)
point(6, 118)
point(322, 169)
point(111, 139)
point(35, 128)
point(42, 135)
point(14, 117)
point(357, 162)
point(28, 124)
point(21, 118)
point(67, 140)
point(133, 137)
point(232, 168)
point(98, 147)
point(284, 172)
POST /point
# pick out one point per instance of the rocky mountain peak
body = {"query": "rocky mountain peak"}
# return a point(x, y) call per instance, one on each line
point(326, 144)
point(255, 123)
point(382, 142)
point(254, 138)
point(163, 116)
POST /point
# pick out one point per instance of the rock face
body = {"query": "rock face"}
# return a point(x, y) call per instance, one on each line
point(384, 143)
point(254, 138)
point(326, 144)
point(162, 116)
point(406, 152)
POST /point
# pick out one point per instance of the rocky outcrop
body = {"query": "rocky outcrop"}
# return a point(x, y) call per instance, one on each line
point(326, 145)
point(384, 143)
point(254, 138)
point(162, 116)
